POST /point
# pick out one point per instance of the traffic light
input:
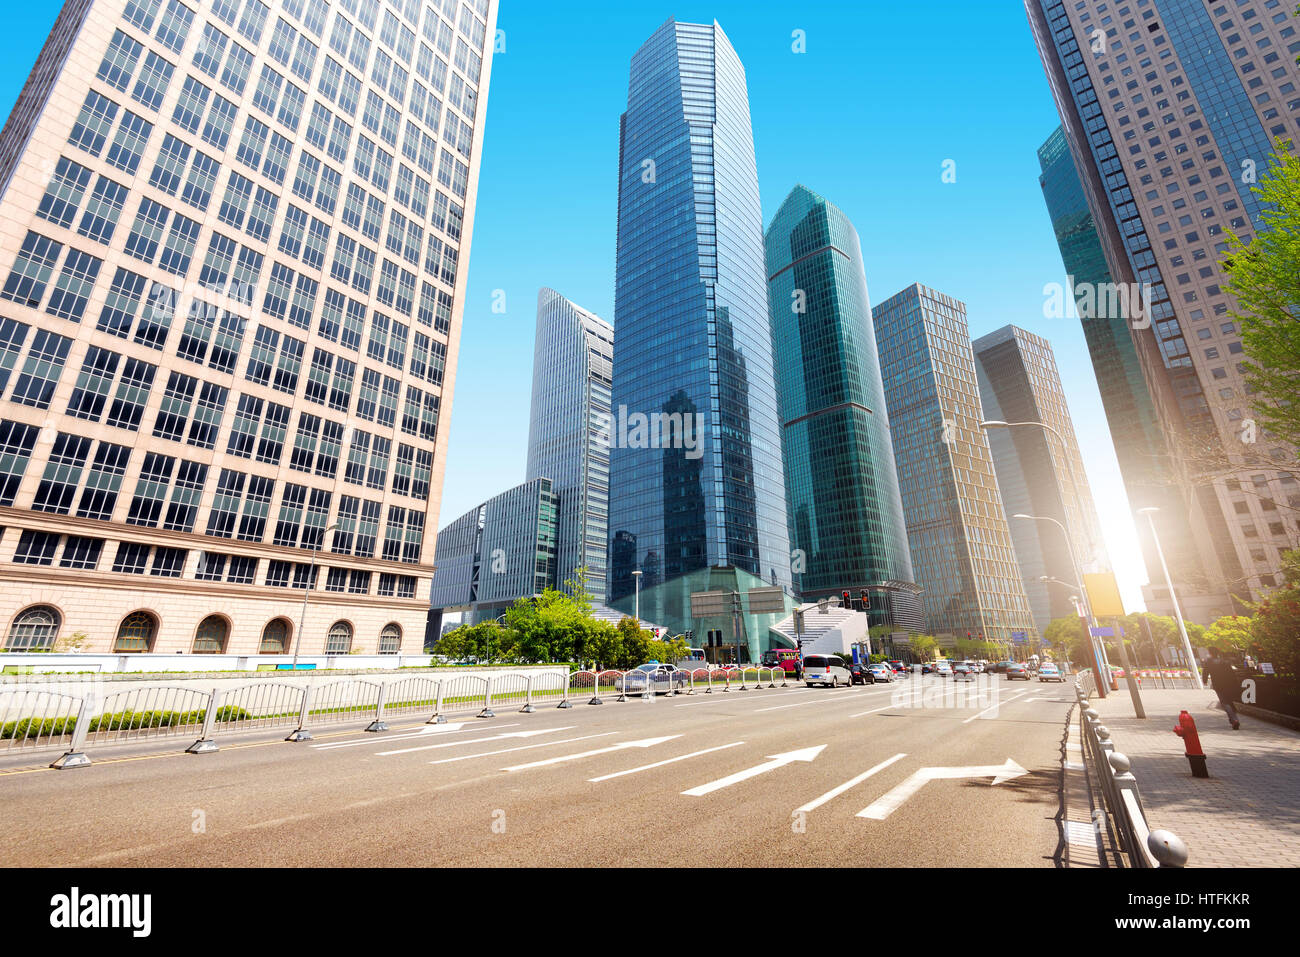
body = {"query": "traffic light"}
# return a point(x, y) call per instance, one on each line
point(848, 600)
point(866, 599)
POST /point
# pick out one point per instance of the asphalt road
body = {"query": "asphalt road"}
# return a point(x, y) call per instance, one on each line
point(682, 781)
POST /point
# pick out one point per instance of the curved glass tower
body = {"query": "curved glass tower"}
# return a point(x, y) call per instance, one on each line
point(845, 510)
point(691, 333)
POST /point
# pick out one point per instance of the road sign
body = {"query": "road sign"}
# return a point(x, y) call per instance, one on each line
point(892, 801)
point(1103, 595)
point(1102, 632)
point(775, 761)
point(1019, 636)
point(710, 604)
point(766, 601)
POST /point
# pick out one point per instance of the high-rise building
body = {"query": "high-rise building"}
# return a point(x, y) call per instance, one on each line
point(1040, 471)
point(233, 236)
point(962, 553)
point(843, 503)
point(692, 343)
point(498, 552)
point(1170, 109)
point(569, 432)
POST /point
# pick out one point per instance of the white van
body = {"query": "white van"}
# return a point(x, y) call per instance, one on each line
point(828, 670)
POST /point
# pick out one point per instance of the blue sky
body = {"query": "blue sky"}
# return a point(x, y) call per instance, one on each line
point(884, 95)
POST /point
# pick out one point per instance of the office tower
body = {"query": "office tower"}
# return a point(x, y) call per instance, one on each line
point(497, 552)
point(1040, 471)
point(692, 345)
point(842, 498)
point(1170, 109)
point(962, 554)
point(569, 432)
point(232, 237)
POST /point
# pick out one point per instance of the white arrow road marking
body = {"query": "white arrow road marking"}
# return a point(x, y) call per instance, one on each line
point(371, 739)
point(836, 792)
point(995, 707)
point(647, 743)
point(827, 700)
point(660, 764)
point(494, 737)
point(526, 747)
point(775, 761)
point(890, 803)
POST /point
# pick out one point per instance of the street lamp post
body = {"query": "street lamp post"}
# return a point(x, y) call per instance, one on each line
point(636, 577)
point(1149, 512)
point(1099, 658)
point(311, 579)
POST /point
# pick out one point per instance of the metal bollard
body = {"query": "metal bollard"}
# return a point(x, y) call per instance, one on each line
point(487, 711)
point(528, 699)
point(205, 744)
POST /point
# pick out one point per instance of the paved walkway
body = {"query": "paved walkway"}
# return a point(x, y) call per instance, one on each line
point(1247, 812)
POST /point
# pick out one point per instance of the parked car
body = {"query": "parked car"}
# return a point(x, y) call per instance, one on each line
point(1049, 672)
point(1015, 670)
point(659, 677)
point(827, 670)
point(881, 672)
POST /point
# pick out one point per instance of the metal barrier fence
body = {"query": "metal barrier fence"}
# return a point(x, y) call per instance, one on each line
point(37, 720)
point(33, 720)
point(1139, 846)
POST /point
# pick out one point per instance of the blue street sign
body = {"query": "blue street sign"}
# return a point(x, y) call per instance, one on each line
point(1103, 632)
point(1019, 636)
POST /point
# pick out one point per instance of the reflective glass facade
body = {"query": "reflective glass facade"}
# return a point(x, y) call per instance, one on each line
point(569, 432)
point(844, 507)
point(962, 553)
point(691, 329)
point(1038, 474)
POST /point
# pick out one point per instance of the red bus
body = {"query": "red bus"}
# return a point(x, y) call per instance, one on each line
point(784, 658)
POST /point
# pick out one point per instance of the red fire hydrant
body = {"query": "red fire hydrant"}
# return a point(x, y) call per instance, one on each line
point(1186, 729)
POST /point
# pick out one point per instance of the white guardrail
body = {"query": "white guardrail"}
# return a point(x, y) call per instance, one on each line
point(35, 719)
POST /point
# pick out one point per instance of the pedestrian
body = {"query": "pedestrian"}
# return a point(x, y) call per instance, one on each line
point(1223, 678)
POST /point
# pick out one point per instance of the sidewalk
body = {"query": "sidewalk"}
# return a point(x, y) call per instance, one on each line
point(1246, 813)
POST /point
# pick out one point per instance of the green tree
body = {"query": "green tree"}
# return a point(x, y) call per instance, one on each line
point(1232, 634)
point(924, 647)
point(1265, 281)
point(634, 646)
point(1276, 627)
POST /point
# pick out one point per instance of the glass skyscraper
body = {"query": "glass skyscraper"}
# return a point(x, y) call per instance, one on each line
point(844, 507)
point(569, 432)
point(1038, 474)
point(231, 240)
point(962, 552)
point(1170, 109)
point(691, 330)
point(498, 552)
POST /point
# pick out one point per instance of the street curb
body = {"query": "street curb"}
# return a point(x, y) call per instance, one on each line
point(1272, 717)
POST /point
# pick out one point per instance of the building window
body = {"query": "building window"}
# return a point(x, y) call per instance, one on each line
point(34, 629)
point(136, 633)
point(211, 637)
point(275, 638)
point(390, 640)
point(339, 641)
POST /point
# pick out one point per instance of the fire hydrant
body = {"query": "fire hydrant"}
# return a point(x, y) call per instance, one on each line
point(1186, 729)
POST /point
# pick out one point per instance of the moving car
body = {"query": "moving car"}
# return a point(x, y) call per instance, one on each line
point(860, 675)
point(943, 669)
point(1049, 672)
point(827, 670)
point(963, 671)
point(1016, 670)
point(660, 678)
point(881, 672)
